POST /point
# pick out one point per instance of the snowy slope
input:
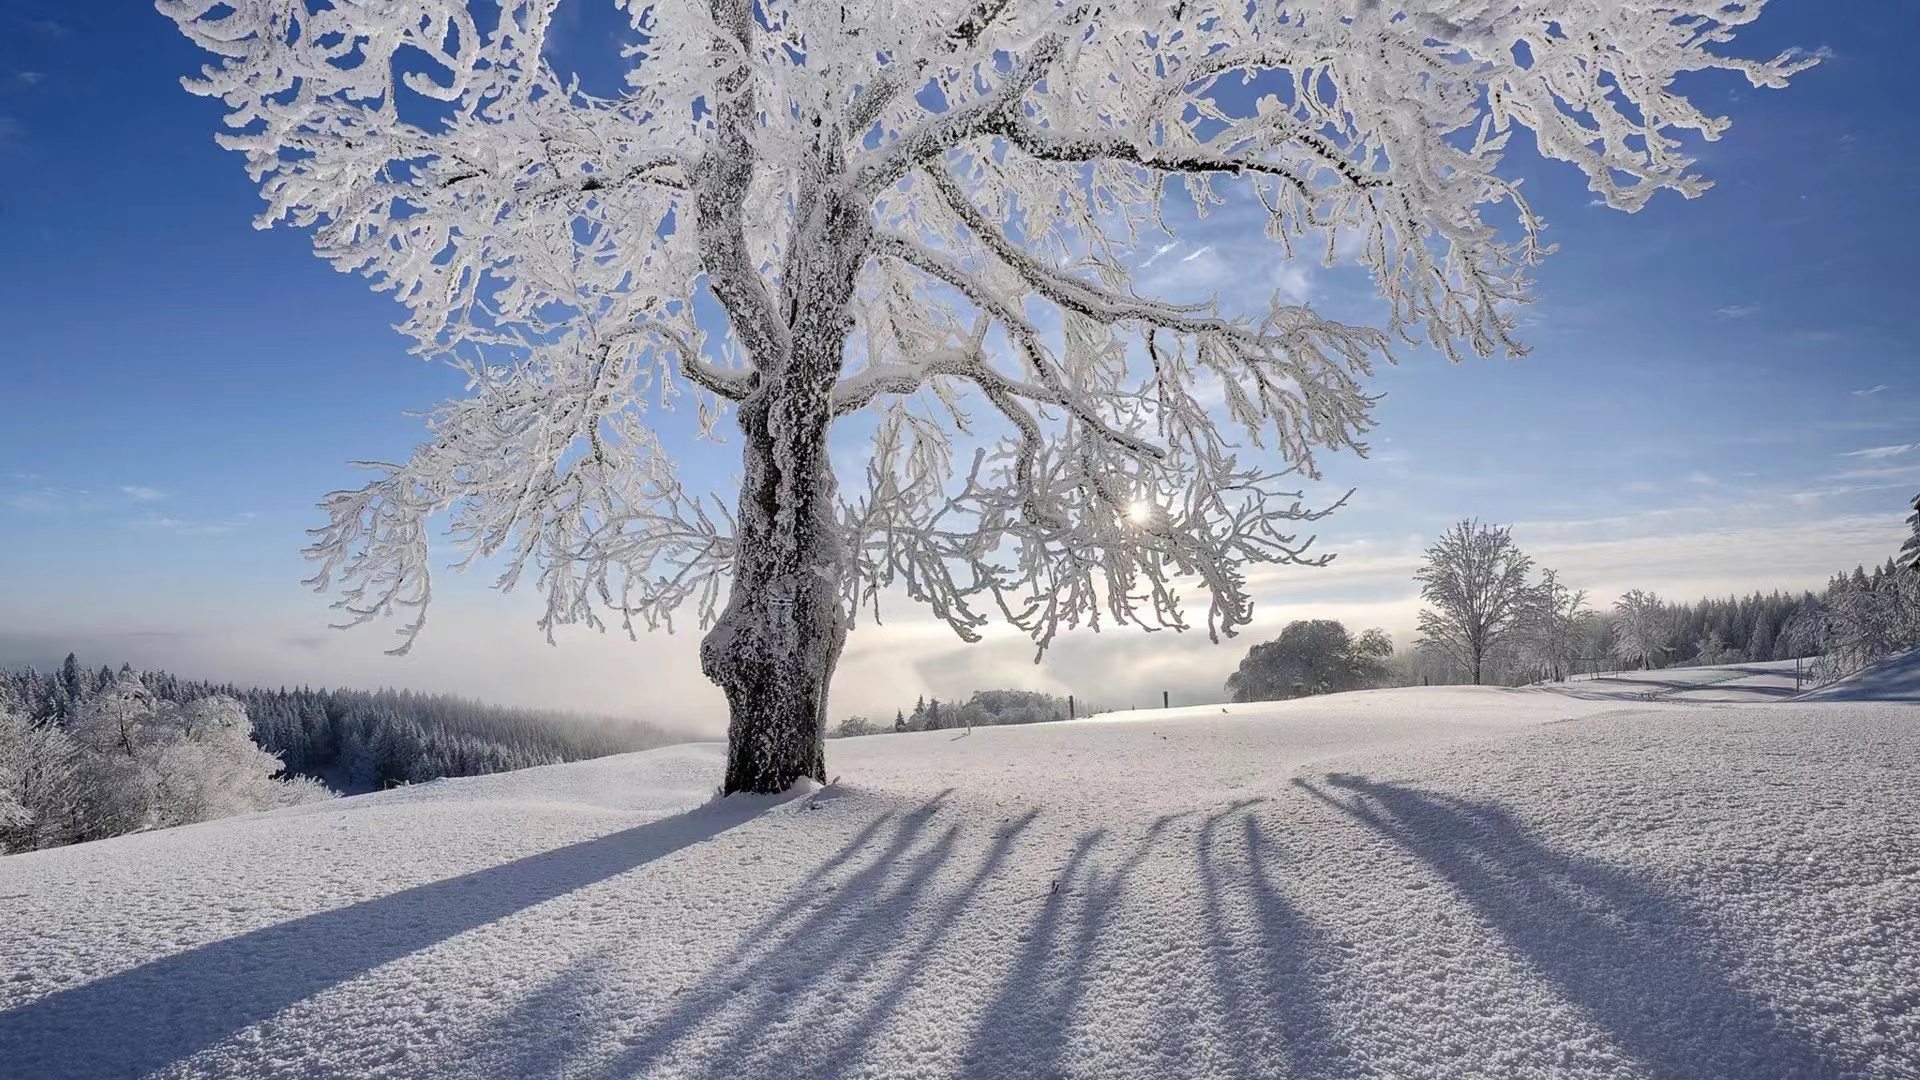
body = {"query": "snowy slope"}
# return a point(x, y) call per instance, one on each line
point(1396, 884)
point(1896, 678)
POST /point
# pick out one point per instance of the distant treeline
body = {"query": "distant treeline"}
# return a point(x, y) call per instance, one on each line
point(360, 740)
point(986, 708)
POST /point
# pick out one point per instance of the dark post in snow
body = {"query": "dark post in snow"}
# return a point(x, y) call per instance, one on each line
point(1069, 706)
point(1163, 700)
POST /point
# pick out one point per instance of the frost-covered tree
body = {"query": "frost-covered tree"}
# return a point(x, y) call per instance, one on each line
point(1475, 580)
point(216, 770)
point(1642, 629)
point(1714, 649)
point(1311, 656)
point(1910, 551)
point(1554, 627)
point(1864, 618)
point(926, 211)
point(14, 732)
point(39, 766)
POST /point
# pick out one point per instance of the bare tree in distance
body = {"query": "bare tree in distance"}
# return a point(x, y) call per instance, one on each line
point(1642, 629)
point(927, 211)
point(1475, 580)
point(1554, 626)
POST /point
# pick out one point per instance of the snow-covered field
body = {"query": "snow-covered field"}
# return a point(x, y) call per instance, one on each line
point(1395, 884)
point(1770, 680)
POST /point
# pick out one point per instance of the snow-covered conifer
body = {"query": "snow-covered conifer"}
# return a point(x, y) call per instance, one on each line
point(929, 210)
point(1910, 551)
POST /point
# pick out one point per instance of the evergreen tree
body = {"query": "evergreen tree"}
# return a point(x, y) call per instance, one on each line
point(1910, 551)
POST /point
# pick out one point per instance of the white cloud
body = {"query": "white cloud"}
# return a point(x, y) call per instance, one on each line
point(1159, 251)
point(142, 493)
point(1196, 254)
point(1737, 311)
point(1882, 453)
point(183, 527)
point(1294, 282)
point(1870, 391)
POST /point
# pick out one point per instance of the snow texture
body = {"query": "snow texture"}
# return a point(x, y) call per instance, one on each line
point(1449, 882)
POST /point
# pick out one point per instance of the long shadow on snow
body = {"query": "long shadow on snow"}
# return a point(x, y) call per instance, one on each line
point(860, 950)
point(169, 1009)
point(1896, 678)
point(1634, 960)
point(752, 1002)
point(1670, 691)
point(542, 1034)
point(1272, 983)
point(810, 989)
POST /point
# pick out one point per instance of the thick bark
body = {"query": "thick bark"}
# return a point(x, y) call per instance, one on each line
point(774, 648)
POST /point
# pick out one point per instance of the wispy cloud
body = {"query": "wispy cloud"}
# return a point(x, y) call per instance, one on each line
point(142, 493)
point(1871, 390)
point(29, 78)
point(1196, 254)
point(183, 527)
point(1737, 311)
point(1159, 251)
point(1824, 52)
point(1882, 453)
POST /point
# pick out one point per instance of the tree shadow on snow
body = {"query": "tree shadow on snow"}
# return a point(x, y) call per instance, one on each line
point(1635, 961)
point(1272, 982)
point(813, 990)
point(169, 1009)
point(826, 932)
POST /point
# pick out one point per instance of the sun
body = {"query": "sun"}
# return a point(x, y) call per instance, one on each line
point(1140, 513)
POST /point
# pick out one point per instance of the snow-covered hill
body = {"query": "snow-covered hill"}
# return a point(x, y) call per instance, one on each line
point(1395, 884)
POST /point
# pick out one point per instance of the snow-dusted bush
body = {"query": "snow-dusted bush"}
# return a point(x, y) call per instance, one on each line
point(130, 760)
point(216, 770)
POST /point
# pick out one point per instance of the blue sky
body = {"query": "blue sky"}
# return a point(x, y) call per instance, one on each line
point(1718, 397)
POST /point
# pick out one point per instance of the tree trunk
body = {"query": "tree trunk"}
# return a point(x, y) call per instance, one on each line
point(773, 650)
point(774, 647)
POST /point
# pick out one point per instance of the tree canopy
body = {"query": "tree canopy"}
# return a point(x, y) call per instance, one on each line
point(1314, 656)
point(932, 211)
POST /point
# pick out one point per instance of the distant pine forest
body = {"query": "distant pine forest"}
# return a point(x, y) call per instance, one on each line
point(356, 741)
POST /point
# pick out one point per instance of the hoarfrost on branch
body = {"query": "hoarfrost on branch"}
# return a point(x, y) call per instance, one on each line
point(983, 170)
